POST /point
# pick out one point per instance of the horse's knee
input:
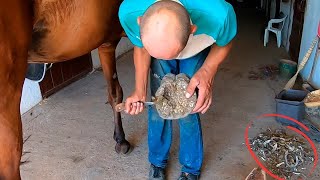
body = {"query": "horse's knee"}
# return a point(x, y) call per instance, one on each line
point(108, 47)
point(107, 59)
point(115, 93)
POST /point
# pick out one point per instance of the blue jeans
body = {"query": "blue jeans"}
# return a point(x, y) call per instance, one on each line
point(160, 130)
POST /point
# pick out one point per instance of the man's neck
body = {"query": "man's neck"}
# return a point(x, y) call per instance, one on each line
point(174, 1)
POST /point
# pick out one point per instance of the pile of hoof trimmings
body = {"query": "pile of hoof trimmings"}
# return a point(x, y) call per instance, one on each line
point(171, 102)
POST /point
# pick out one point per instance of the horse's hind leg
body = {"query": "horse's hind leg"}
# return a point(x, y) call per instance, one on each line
point(115, 95)
point(15, 33)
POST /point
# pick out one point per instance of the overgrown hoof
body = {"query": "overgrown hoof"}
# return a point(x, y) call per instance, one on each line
point(123, 147)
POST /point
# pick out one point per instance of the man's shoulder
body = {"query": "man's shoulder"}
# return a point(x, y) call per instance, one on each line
point(214, 9)
point(215, 18)
point(132, 6)
point(128, 13)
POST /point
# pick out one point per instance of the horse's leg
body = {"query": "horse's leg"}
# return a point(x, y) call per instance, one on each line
point(115, 95)
point(15, 33)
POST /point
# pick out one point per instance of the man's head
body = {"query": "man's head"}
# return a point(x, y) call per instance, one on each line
point(165, 28)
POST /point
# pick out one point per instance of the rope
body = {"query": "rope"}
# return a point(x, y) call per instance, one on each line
point(305, 59)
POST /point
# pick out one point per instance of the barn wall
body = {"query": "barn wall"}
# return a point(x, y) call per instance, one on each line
point(310, 27)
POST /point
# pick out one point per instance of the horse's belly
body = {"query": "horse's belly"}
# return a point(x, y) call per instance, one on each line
point(65, 29)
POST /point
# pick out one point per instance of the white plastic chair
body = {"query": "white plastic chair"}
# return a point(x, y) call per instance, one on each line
point(277, 30)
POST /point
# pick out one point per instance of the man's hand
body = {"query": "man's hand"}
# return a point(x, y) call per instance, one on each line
point(134, 103)
point(203, 80)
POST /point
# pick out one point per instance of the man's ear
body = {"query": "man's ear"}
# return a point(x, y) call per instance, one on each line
point(193, 28)
point(139, 20)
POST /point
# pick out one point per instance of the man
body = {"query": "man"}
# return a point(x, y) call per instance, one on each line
point(171, 36)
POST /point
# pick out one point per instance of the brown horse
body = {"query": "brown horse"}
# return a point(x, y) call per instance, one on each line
point(50, 31)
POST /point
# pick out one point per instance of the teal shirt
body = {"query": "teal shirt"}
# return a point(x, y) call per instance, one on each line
point(215, 18)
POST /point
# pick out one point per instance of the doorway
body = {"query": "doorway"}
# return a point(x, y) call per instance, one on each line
point(297, 29)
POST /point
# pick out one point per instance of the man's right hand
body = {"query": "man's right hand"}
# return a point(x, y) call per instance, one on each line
point(134, 103)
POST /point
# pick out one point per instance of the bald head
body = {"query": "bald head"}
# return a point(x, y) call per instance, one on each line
point(165, 29)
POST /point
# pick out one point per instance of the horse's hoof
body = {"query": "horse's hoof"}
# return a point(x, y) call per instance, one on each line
point(123, 147)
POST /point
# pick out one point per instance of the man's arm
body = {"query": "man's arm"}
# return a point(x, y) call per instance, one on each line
point(142, 61)
point(142, 64)
point(203, 78)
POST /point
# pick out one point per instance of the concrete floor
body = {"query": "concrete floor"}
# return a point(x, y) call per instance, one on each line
point(71, 132)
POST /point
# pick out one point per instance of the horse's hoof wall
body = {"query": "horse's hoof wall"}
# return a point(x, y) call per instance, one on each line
point(123, 147)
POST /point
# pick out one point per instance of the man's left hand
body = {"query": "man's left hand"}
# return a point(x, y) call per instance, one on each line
point(203, 80)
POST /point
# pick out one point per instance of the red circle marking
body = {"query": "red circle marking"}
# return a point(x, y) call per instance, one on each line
point(289, 127)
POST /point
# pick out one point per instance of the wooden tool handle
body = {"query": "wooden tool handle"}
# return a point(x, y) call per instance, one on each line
point(120, 107)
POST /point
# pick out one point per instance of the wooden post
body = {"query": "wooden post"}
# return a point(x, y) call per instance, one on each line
point(278, 2)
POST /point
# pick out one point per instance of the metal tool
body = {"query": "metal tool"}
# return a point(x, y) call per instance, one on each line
point(120, 107)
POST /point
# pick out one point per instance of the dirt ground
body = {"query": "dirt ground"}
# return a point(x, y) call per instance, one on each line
point(71, 131)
